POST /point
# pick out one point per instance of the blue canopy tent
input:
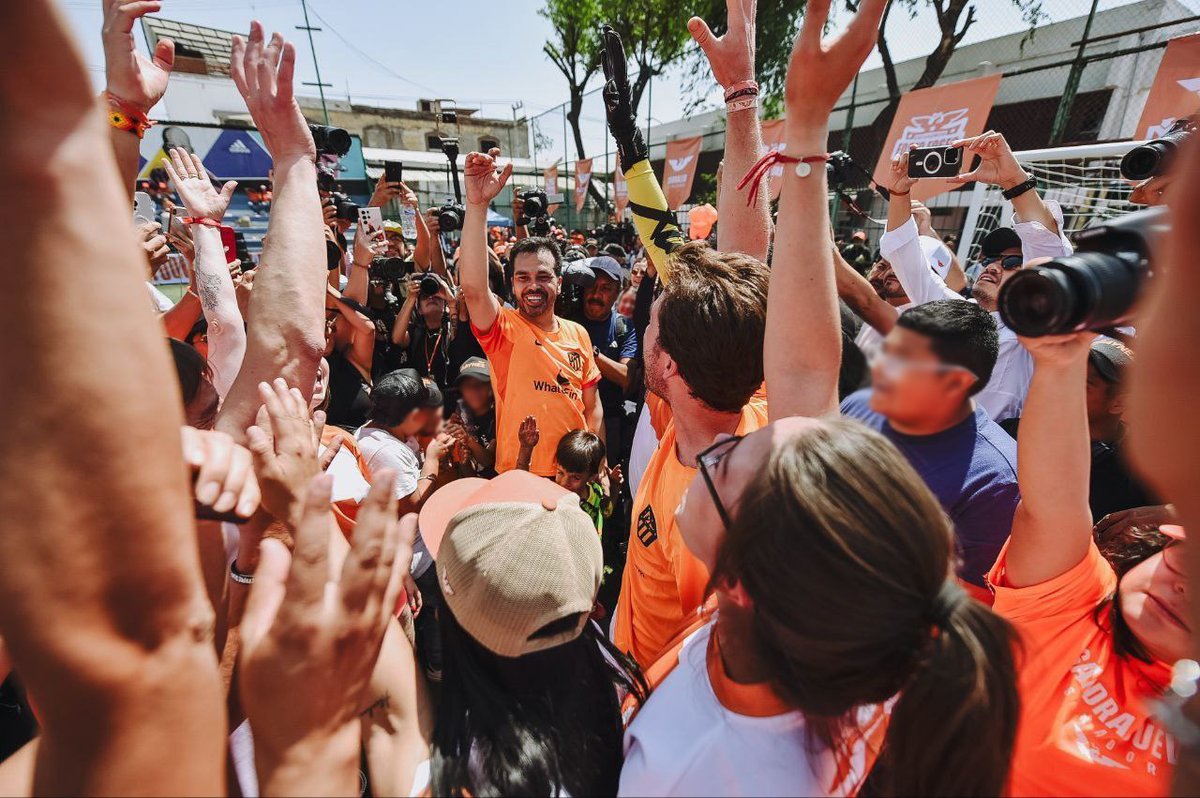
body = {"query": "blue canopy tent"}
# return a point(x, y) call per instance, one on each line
point(498, 219)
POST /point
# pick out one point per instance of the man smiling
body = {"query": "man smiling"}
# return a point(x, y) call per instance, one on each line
point(542, 366)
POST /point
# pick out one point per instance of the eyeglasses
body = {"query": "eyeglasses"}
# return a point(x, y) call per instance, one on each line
point(707, 461)
point(894, 366)
point(1008, 262)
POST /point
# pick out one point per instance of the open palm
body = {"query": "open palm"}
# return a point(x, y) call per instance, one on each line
point(130, 75)
point(191, 182)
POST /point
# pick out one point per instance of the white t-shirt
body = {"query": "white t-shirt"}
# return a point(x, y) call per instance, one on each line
point(381, 449)
point(684, 741)
point(158, 300)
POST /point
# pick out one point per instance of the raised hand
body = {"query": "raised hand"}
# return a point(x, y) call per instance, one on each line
point(221, 471)
point(731, 56)
point(618, 100)
point(264, 75)
point(998, 166)
point(286, 460)
point(191, 182)
point(131, 76)
point(154, 245)
point(819, 71)
point(384, 193)
point(901, 182)
point(310, 639)
point(483, 181)
point(368, 245)
point(528, 433)
point(439, 447)
point(1059, 350)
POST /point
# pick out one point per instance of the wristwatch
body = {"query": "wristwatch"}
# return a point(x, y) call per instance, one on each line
point(1019, 189)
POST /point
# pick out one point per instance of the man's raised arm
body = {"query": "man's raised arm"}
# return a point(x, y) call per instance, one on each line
point(286, 328)
point(483, 183)
point(743, 227)
point(101, 601)
point(802, 352)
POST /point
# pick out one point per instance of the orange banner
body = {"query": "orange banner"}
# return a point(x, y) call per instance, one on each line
point(680, 169)
point(550, 185)
point(774, 138)
point(583, 176)
point(1176, 89)
point(620, 192)
point(935, 117)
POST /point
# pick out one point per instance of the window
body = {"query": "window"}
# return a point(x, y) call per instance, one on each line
point(433, 141)
point(487, 142)
point(377, 136)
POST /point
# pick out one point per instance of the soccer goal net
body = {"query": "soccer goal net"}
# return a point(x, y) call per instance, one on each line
point(1085, 180)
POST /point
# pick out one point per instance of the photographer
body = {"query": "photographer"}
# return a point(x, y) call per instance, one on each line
point(422, 328)
point(1036, 233)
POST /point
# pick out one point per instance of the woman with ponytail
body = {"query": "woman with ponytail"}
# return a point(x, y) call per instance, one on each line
point(832, 565)
point(1100, 621)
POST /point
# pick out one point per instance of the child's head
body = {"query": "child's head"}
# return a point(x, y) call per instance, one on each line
point(577, 461)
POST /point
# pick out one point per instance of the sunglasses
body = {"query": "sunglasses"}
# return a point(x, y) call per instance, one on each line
point(707, 461)
point(1008, 262)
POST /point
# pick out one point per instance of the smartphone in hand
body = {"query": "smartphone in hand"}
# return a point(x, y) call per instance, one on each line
point(934, 161)
point(143, 208)
point(393, 171)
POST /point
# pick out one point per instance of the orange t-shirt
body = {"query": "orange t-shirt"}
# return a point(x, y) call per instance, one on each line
point(1086, 724)
point(663, 582)
point(541, 374)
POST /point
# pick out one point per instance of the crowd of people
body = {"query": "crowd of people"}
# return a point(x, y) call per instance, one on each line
point(766, 514)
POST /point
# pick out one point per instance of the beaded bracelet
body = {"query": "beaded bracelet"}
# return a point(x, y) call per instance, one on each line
point(124, 115)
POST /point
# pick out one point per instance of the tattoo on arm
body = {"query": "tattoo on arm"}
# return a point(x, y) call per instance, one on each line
point(208, 286)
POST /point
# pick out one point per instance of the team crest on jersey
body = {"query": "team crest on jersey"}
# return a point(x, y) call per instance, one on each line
point(576, 360)
point(647, 527)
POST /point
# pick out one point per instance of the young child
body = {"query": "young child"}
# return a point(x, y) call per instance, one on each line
point(578, 460)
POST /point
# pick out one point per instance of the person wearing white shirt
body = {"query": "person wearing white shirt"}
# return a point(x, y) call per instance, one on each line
point(1036, 234)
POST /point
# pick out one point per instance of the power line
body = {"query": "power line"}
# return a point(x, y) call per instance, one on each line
point(369, 58)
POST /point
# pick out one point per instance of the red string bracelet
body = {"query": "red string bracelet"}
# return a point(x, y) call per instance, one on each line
point(200, 220)
point(759, 170)
point(124, 115)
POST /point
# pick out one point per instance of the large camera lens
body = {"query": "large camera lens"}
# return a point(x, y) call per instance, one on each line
point(535, 204)
point(1088, 290)
point(450, 218)
point(1148, 160)
point(429, 285)
point(388, 269)
point(330, 140)
point(333, 255)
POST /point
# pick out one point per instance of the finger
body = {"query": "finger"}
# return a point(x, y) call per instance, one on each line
point(965, 177)
point(130, 12)
point(268, 65)
point(506, 173)
point(267, 592)
point(367, 552)
point(330, 452)
point(172, 174)
point(815, 17)
point(262, 450)
point(164, 54)
point(287, 71)
point(702, 34)
point(863, 30)
point(253, 55)
point(198, 166)
point(237, 67)
point(319, 417)
point(240, 465)
point(214, 469)
point(310, 568)
point(227, 191)
point(406, 533)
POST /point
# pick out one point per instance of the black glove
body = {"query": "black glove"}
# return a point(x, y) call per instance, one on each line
point(618, 103)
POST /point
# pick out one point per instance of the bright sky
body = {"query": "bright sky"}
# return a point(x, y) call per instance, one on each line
point(483, 53)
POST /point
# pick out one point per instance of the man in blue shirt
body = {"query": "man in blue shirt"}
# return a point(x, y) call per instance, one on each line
point(937, 357)
point(615, 343)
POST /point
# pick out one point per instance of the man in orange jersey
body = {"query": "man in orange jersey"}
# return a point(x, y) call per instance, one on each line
point(542, 366)
point(704, 360)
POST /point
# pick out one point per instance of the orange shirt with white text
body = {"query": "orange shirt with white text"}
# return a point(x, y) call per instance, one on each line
point(1086, 723)
point(541, 374)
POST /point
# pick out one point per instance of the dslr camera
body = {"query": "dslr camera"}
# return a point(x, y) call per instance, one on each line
point(347, 209)
point(450, 216)
point(1154, 158)
point(330, 140)
point(386, 270)
point(536, 205)
point(1093, 289)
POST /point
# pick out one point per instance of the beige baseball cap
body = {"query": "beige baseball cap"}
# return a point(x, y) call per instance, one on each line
point(514, 555)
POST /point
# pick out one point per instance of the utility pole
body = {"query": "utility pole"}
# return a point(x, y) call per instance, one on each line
point(312, 46)
point(1072, 88)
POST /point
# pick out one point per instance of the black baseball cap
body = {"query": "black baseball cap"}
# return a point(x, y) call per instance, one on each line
point(435, 393)
point(1111, 358)
point(476, 368)
point(998, 241)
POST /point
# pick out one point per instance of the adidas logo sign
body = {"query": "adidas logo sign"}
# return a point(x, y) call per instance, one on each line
point(239, 148)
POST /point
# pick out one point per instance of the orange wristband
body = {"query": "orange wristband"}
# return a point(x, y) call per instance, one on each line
point(125, 116)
